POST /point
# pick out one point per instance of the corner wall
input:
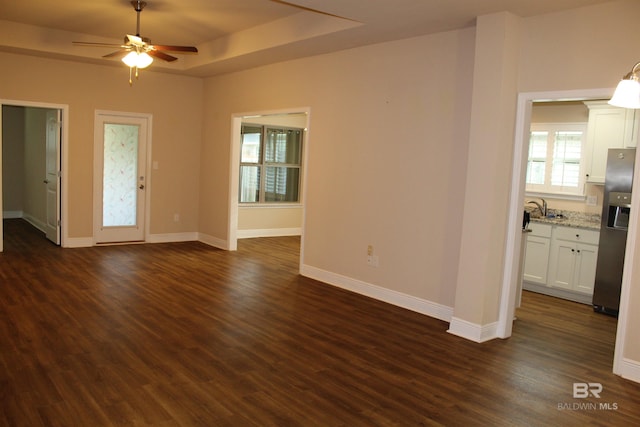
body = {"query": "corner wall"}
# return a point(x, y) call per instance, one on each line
point(387, 160)
point(488, 177)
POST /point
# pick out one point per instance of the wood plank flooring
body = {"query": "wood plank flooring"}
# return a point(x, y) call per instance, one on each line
point(184, 334)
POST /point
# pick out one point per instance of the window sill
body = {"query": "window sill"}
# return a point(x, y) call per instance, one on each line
point(270, 205)
point(560, 196)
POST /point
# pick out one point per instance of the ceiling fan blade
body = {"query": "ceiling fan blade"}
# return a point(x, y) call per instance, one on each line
point(116, 54)
point(190, 49)
point(161, 55)
point(141, 44)
point(97, 44)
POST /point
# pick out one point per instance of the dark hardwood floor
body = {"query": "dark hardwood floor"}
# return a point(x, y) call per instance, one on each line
point(184, 334)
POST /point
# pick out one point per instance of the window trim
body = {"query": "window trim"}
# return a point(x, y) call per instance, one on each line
point(547, 189)
point(262, 164)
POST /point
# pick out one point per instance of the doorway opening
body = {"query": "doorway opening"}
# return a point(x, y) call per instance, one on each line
point(268, 219)
point(511, 270)
point(34, 140)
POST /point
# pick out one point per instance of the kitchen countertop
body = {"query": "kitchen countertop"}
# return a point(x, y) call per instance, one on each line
point(567, 218)
point(570, 222)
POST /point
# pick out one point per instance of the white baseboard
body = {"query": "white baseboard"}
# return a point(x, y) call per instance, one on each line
point(558, 293)
point(12, 214)
point(40, 225)
point(78, 242)
point(172, 237)
point(213, 241)
point(84, 242)
point(630, 369)
point(268, 232)
point(473, 331)
point(389, 296)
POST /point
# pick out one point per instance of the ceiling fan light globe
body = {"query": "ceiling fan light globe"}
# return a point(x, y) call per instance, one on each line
point(144, 60)
point(131, 59)
point(139, 60)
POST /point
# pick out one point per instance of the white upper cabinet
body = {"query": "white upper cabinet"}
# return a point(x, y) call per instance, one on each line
point(631, 129)
point(608, 127)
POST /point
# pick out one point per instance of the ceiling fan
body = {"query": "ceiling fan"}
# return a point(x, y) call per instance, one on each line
point(137, 52)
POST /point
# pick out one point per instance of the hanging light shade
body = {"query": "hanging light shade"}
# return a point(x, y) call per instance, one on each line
point(627, 94)
point(138, 60)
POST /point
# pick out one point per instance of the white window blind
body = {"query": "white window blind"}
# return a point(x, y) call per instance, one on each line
point(555, 163)
point(566, 159)
point(536, 167)
point(270, 164)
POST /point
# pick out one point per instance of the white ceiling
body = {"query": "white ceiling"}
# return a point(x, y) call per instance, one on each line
point(237, 34)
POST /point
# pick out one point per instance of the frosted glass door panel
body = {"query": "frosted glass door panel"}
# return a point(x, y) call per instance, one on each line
point(120, 175)
point(119, 185)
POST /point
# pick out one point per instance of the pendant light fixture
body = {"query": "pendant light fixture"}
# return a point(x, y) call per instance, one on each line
point(627, 94)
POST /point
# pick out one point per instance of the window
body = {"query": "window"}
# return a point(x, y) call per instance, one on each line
point(555, 162)
point(270, 162)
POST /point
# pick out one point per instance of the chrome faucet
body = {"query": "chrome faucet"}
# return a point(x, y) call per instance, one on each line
point(542, 207)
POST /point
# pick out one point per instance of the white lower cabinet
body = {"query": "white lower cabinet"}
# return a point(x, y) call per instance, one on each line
point(536, 261)
point(572, 259)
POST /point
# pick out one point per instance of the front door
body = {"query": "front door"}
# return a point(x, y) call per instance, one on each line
point(52, 179)
point(120, 177)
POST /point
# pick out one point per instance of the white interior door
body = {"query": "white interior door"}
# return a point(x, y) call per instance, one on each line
point(120, 177)
point(52, 179)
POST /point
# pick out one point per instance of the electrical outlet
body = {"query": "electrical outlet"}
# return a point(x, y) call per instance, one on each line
point(592, 200)
point(176, 217)
point(373, 260)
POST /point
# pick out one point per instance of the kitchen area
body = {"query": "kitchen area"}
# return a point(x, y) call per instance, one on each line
point(578, 194)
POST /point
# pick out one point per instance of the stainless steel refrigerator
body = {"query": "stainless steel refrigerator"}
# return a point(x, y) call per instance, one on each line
point(613, 230)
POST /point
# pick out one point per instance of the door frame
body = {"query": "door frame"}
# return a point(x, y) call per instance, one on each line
point(234, 178)
point(97, 166)
point(510, 277)
point(64, 161)
point(52, 175)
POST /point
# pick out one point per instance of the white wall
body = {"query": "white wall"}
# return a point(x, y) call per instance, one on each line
point(387, 159)
point(13, 128)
